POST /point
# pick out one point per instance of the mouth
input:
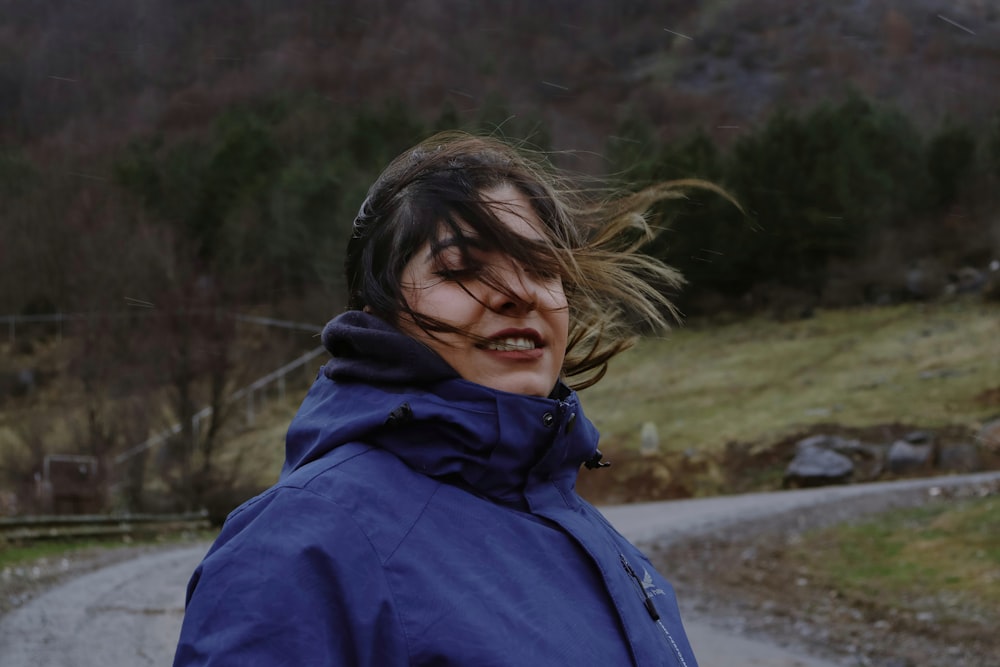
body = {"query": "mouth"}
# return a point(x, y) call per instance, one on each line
point(514, 341)
point(510, 344)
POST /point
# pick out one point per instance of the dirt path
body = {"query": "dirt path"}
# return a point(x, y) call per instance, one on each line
point(129, 613)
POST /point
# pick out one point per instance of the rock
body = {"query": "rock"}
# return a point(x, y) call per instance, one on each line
point(813, 441)
point(904, 457)
point(966, 280)
point(959, 458)
point(917, 284)
point(919, 437)
point(831, 442)
point(816, 466)
point(649, 440)
point(868, 460)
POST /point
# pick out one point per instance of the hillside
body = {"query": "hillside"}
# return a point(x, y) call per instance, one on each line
point(166, 163)
point(84, 77)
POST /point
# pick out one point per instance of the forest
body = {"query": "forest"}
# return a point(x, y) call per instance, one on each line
point(165, 165)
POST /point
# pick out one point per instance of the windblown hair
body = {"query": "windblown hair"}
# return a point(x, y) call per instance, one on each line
point(592, 243)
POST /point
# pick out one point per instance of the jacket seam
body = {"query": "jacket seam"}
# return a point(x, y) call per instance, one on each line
point(304, 485)
point(297, 485)
point(413, 525)
point(334, 464)
point(385, 580)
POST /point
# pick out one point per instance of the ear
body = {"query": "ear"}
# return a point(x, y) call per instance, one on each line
point(367, 309)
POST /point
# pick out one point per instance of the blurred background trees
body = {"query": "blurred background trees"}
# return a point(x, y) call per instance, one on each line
point(165, 163)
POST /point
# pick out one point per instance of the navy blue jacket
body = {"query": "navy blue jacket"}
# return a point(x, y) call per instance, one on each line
point(422, 519)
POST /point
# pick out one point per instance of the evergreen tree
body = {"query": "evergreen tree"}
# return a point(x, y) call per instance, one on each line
point(951, 158)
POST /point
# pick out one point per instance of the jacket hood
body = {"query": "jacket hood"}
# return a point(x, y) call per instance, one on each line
point(387, 390)
point(367, 349)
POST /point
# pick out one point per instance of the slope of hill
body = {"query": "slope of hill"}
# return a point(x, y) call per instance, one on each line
point(86, 75)
point(79, 81)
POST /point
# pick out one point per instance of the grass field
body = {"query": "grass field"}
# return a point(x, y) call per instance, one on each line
point(915, 586)
point(13, 555)
point(942, 559)
point(927, 579)
point(928, 365)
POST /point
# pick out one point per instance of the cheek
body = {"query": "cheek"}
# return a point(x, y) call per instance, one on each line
point(559, 304)
point(422, 293)
point(445, 301)
point(408, 286)
point(559, 318)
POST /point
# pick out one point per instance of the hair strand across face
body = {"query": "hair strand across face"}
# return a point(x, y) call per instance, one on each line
point(437, 191)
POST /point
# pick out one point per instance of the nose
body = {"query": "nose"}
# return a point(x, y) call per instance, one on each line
point(515, 291)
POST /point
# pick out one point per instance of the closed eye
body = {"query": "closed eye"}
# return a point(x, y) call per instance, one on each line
point(459, 274)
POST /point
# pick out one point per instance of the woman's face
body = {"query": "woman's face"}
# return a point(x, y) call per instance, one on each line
point(527, 335)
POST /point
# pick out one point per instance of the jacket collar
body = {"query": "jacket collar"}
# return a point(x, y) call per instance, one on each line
point(388, 390)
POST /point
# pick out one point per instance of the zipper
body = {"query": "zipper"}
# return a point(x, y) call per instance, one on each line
point(647, 602)
point(647, 599)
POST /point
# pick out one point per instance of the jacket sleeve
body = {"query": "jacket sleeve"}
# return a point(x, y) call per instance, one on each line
point(291, 580)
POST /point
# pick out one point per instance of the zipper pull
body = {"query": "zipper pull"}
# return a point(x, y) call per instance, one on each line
point(647, 600)
point(595, 462)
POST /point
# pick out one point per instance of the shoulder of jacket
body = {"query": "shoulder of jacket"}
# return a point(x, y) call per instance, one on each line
point(376, 491)
point(303, 476)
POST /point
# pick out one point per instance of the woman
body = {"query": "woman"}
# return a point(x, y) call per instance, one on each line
point(426, 512)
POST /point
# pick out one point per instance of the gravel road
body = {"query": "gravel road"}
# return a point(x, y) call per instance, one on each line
point(129, 614)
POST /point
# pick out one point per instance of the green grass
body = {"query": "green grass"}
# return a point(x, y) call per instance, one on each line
point(11, 556)
point(15, 555)
point(757, 380)
point(943, 558)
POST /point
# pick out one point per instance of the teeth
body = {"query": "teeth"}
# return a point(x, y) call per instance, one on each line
point(511, 344)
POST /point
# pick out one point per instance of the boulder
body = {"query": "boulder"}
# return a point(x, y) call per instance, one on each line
point(868, 460)
point(831, 442)
point(905, 457)
point(817, 466)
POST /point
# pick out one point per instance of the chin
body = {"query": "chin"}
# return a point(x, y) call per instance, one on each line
point(526, 388)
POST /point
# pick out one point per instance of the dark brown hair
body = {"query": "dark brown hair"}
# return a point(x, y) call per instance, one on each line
point(592, 243)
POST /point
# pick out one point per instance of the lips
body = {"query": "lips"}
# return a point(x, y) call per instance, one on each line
point(520, 340)
point(511, 345)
